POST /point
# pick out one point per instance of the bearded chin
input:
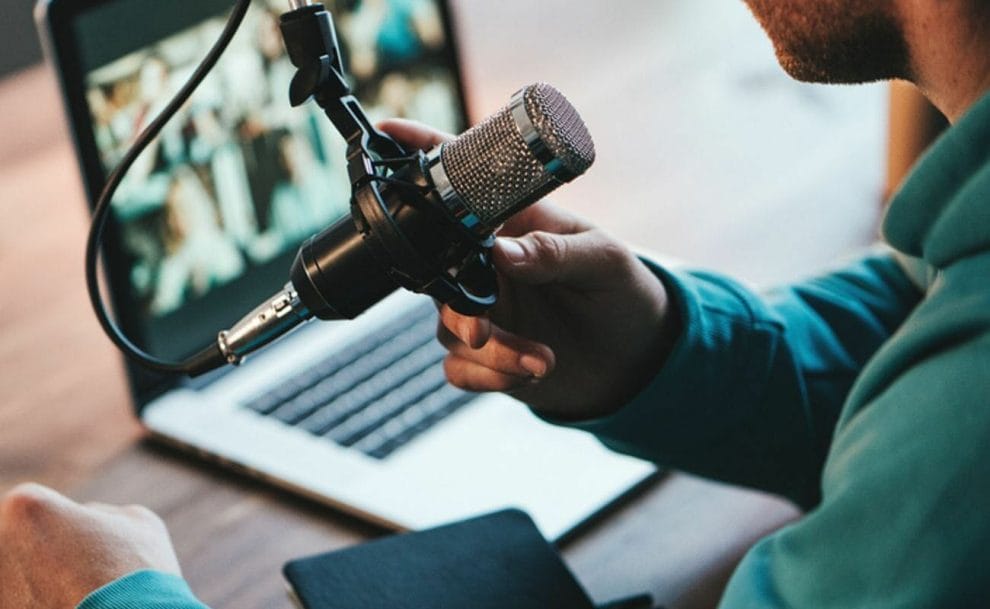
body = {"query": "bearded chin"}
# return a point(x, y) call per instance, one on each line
point(830, 42)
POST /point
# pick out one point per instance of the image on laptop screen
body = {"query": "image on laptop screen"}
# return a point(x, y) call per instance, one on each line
point(238, 179)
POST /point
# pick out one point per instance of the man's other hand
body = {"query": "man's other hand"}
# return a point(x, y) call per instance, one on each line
point(581, 324)
point(54, 551)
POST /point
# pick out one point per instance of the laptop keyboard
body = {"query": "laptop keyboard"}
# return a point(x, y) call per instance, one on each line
point(375, 395)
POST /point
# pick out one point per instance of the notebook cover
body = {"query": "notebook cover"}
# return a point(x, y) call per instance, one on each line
point(498, 561)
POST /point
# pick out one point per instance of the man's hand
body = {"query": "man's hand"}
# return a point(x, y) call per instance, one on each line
point(581, 324)
point(54, 551)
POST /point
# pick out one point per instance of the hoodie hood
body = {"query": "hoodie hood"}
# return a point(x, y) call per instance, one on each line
point(942, 212)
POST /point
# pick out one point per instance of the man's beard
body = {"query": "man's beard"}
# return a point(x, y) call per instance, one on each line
point(835, 41)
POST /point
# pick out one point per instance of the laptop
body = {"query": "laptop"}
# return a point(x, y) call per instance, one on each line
point(355, 414)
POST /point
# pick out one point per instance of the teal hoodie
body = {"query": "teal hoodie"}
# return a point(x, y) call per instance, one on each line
point(862, 395)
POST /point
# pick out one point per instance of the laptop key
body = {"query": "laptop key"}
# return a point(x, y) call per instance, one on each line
point(297, 408)
point(265, 403)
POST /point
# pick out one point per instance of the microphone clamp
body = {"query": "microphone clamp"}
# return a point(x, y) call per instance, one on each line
point(460, 273)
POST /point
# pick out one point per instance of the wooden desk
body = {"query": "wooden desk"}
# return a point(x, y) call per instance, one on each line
point(699, 83)
point(680, 539)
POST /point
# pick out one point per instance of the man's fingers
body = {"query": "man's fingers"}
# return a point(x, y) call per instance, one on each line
point(589, 260)
point(472, 331)
point(472, 376)
point(31, 501)
point(412, 134)
point(504, 352)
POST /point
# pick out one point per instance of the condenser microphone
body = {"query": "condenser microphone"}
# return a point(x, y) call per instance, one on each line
point(428, 225)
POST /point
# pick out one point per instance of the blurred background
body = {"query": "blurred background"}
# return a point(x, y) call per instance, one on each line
point(707, 151)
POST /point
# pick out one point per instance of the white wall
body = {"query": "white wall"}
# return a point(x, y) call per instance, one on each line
point(706, 150)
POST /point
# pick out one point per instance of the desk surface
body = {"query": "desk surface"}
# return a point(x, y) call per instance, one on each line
point(695, 72)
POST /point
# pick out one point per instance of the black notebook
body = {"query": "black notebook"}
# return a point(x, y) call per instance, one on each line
point(499, 561)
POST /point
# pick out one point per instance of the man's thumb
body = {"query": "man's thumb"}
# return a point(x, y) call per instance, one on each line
point(588, 259)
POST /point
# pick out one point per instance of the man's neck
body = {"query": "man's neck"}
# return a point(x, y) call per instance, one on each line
point(950, 54)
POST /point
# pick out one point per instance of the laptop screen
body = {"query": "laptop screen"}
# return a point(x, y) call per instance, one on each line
point(211, 215)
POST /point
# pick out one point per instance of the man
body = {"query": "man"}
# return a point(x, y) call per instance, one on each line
point(864, 395)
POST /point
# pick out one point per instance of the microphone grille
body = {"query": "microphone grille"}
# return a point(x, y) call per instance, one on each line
point(518, 155)
point(560, 126)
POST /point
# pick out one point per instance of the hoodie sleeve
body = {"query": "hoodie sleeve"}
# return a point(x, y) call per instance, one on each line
point(902, 522)
point(143, 590)
point(754, 387)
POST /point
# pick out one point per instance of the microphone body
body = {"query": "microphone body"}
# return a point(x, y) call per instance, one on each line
point(428, 226)
point(407, 231)
point(396, 236)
